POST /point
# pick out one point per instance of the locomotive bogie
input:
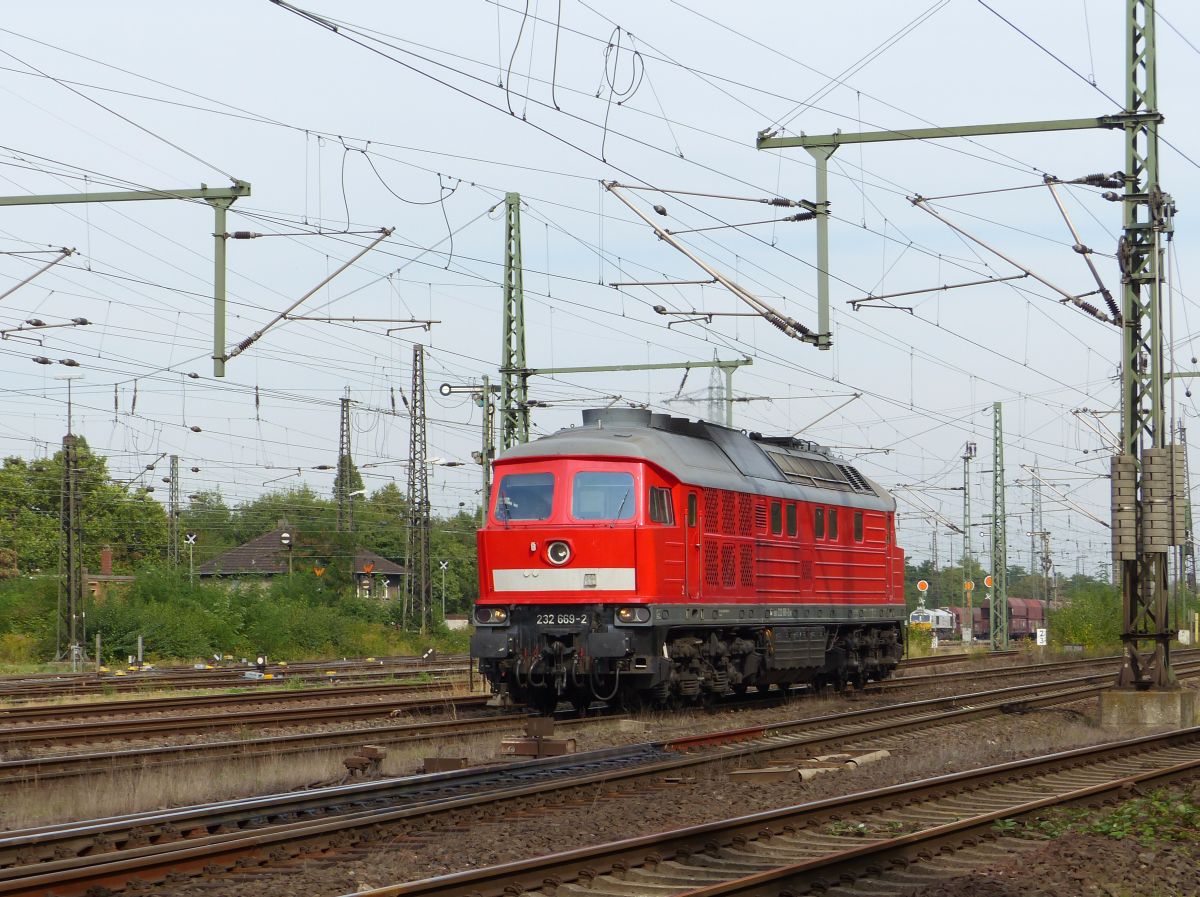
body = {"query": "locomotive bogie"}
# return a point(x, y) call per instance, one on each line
point(580, 653)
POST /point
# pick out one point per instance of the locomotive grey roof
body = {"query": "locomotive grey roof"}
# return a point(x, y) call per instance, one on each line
point(712, 456)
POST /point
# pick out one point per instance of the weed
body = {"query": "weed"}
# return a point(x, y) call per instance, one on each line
point(1162, 815)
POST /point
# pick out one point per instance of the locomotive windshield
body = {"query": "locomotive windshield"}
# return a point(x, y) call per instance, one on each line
point(602, 495)
point(525, 496)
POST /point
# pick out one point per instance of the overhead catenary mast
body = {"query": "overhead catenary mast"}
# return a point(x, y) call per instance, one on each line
point(345, 468)
point(998, 624)
point(418, 598)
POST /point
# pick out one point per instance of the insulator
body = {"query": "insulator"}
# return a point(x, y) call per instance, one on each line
point(780, 201)
point(36, 322)
point(81, 322)
point(662, 210)
point(802, 216)
point(42, 359)
point(1092, 310)
point(69, 362)
point(194, 428)
point(194, 376)
point(660, 309)
point(245, 235)
point(1112, 307)
point(1110, 196)
point(195, 469)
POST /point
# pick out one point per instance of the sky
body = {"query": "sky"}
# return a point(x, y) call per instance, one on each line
point(420, 118)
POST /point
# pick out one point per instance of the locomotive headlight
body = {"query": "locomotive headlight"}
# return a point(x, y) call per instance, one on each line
point(491, 616)
point(558, 553)
point(633, 615)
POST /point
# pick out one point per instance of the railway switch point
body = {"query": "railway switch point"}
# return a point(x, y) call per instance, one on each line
point(1123, 709)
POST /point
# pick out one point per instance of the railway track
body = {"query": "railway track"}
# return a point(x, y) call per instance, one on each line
point(277, 828)
point(43, 769)
point(440, 677)
point(22, 737)
point(47, 685)
point(879, 842)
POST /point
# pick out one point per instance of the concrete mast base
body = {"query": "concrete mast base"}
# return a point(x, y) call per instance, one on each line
point(1125, 709)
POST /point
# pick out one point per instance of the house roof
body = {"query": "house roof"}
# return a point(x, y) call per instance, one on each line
point(265, 556)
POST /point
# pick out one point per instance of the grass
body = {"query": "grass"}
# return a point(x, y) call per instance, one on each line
point(1162, 815)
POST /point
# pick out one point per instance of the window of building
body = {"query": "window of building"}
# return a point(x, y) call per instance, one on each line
point(661, 509)
point(833, 524)
point(525, 496)
point(602, 495)
point(858, 526)
point(791, 519)
point(776, 518)
point(692, 513)
point(819, 523)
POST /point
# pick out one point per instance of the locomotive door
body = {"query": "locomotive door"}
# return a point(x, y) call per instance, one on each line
point(691, 546)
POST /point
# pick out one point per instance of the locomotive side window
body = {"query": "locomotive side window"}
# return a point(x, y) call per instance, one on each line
point(661, 509)
point(819, 523)
point(692, 514)
point(858, 526)
point(776, 518)
point(833, 524)
point(525, 496)
point(791, 519)
point(602, 495)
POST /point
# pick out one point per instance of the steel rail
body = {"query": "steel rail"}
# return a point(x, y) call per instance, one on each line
point(17, 772)
point(142, 727)
point(54, 684)
point(749, 856)
point(32, 712)
point(133, 852)
point(40, 770)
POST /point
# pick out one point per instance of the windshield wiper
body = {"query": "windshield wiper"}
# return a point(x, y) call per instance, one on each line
point(621, 506)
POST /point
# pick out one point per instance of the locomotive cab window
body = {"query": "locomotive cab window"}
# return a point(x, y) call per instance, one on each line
point(819, 523)
point(525, 496)
point(602, 495)
point(791, 519)
point(858, 526)
point(661, 509)
point(776, 518)
point(833, 524)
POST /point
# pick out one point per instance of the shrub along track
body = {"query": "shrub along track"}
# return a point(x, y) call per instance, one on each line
point(879, 842)
point(276, 829)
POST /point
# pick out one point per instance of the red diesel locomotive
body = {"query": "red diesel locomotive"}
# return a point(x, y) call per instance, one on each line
point(643, 557)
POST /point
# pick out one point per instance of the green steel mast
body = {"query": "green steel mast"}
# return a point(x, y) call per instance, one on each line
point(514, 377)
point(1145, 473)
point(998, 625)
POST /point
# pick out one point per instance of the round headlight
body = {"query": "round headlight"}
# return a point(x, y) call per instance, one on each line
point(558, 553)
point(499, 615)
point(483, 615)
